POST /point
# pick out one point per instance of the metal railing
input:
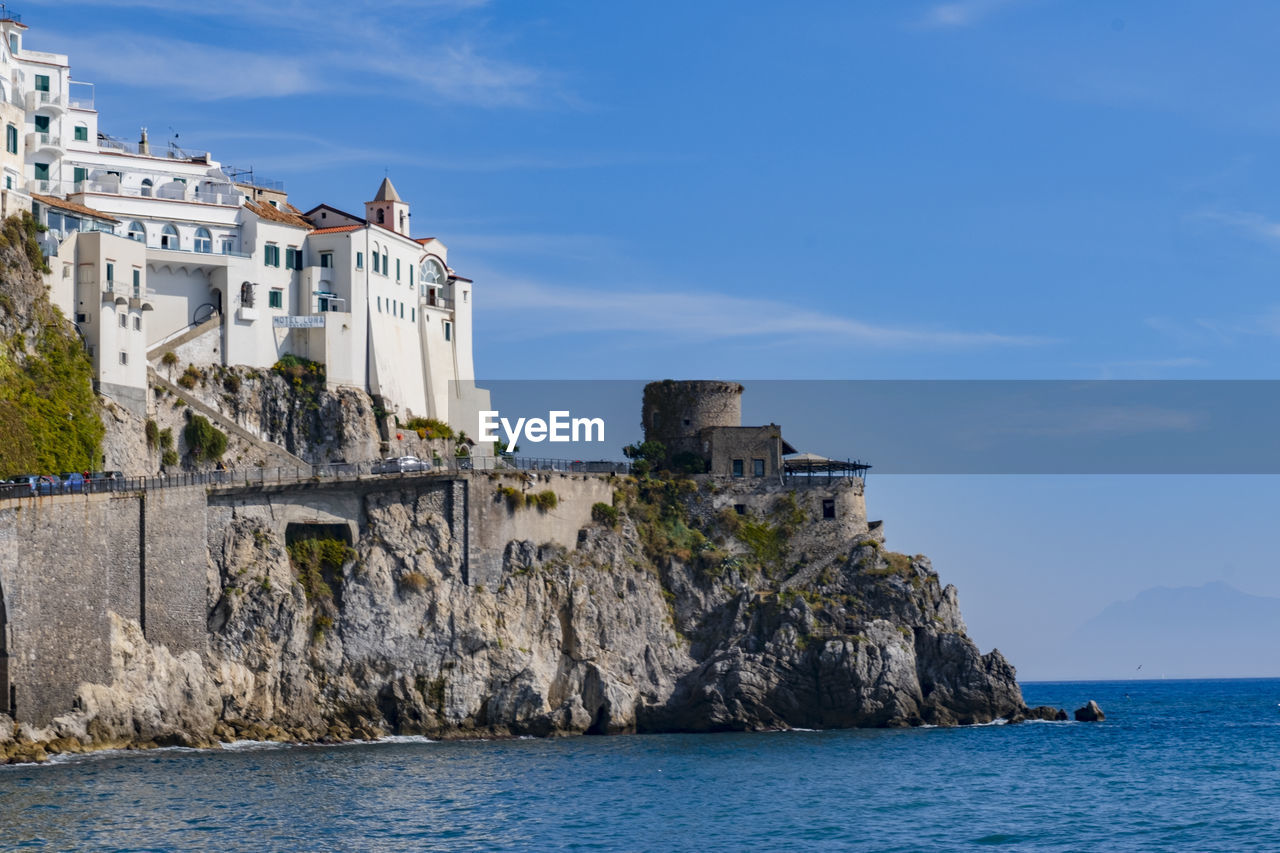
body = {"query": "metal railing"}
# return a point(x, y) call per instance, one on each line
point(332, 472)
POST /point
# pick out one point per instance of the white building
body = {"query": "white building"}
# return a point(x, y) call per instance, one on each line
point(147, 245)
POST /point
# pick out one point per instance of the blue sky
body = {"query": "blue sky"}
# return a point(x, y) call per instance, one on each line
point(977, 189)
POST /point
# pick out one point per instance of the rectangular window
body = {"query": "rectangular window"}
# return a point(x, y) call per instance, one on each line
point(11, 139)
point(272, 255)
point(290, 255)
point(275, 299)
point(82, 318)
point(737, 467)
point(359, 260)
point(828, 508)
point(448, 331)
point(13, 42)
point(326, 260)
point(411, 275)
point(379, 304)
point(413, 315)
point(42, 82)
point(740, 509)
point(757, 467)
point(386, 265)
point(376, 257)
point(124, 357)
point(137, 284)
point(8, 182)
point(401, 310)
point(111, 272)
point(124, 321)
point(41, 171)
point(80, 174)
point(42, 124)
point(137, 323)
point(82, 133)
point(397, 269)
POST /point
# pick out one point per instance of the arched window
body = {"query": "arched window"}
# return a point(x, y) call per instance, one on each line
point(146, 187)
point(377, 258)
point(204, 240)
point(382, 216)
point(432, 272)
point(169, 237)
point(137, 232)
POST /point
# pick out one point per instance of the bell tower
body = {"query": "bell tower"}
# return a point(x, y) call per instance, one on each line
point(388, 210)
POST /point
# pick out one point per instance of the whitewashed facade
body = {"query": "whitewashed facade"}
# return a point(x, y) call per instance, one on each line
point(147, 245)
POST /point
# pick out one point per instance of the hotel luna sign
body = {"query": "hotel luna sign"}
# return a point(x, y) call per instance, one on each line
point(315, 321)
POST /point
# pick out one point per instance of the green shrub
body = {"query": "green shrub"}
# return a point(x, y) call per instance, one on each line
point(169, 359)
point(300, 371)
point(165, 439)
point(152, 432)
point(169, 458)
point(317, 561)
point(514, 497)
point(231, 382)
point(205, 440)
point(544, 501)
point(605, 514)
point(430, 428)
point(189, 377)
point(686, 462)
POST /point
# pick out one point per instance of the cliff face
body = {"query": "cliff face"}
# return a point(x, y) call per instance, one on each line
point(647, 626)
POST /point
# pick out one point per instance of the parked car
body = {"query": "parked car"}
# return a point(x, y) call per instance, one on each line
point(73, 482)
point(42, 484)
point(400, 465)
point(105, 481)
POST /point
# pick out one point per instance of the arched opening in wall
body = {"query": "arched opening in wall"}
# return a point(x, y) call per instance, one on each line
point(7, 692)
point(382, 216)
point(319, 554)
point(146, 187)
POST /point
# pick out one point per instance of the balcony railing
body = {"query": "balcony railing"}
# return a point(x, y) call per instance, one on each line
point(37, 141)
point(45, 100)
point(80, 95)
point(223, 194)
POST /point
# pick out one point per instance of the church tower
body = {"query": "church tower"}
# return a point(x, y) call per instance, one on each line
point(388, 210)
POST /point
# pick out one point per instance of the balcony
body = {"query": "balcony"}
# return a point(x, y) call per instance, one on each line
point(80, 96)
point(43, 142)
point(208, 193)
point(46, 101)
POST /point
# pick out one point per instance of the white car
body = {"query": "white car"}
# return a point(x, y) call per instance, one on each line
point(400, 464)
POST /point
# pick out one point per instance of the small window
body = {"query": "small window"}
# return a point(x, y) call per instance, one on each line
point(111, 272)
point(79, 174)
point(124, 357)
point(397, 269)
point(82, 133)
point(326, 260)
point(448, 331)
point(228, 245)
point(11, 139)
point(828, 508)
point(146, 187)
point(413, 315)
point(359, 260)
point(386, 264)
point(137, 323)
point(757, 467)
point(401, 310)
point(246, 294)
point(379, 304)
point(42, 82)
point(292, 258)
point(137, 232)
point(169, 237)
point(737, 467)
point(410, 274)
point(204, 241)
point(137, 283)
point(13, 42)
point(124, 321)
point(376, 260)
point(40, 171)
point(42, 124)
point(382, 216)
point(740, 509)
point(275, 299)
point(271, 255)
point(82, 318)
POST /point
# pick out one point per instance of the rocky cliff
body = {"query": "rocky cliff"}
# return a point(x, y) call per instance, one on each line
point(667, 617)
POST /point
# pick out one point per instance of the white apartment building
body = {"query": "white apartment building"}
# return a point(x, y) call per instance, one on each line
point(148, 245)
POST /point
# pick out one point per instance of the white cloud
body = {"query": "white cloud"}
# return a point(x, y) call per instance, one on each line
point(963, 13)
point(703, 315)
point(318, 47)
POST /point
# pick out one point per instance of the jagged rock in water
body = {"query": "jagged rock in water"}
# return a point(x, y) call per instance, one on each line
point(1090, 713)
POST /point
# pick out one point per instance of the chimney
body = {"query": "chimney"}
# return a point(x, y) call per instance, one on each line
point(144, 147)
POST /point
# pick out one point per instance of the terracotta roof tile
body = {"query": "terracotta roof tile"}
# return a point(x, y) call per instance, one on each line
point(337, 229)
point(275, 214)
point(63, 204)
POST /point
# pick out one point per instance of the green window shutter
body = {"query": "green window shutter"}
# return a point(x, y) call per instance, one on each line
point(42, 124)
point(41, 171)
point(42, 82)
point(11, 139)
point(82, 133)
point(81, 174)
point(359, 260)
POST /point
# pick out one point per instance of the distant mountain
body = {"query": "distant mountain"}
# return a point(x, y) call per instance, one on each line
point(1210, 631)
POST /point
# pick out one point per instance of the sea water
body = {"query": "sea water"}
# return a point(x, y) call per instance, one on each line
point(1178, 765)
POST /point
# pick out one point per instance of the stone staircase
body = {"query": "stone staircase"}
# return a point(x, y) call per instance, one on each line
point(155, 353)
point(277, 456)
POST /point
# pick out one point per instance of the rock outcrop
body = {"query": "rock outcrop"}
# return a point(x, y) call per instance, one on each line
point(647, 626)
point(1090, 713)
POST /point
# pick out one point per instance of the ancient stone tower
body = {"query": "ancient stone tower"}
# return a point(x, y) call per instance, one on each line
point(674, 412)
